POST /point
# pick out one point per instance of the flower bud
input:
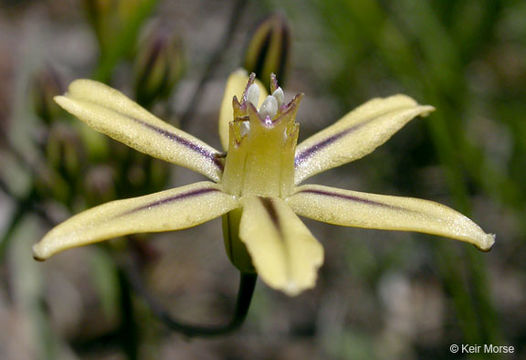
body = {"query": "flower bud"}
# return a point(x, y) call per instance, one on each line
point(99, 13)
point(158, 66)
point(108, 17)
point(45, 85)
point(267, 51)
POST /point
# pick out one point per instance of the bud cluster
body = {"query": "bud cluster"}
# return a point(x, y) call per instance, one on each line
point(159, 65)
point(267, 51)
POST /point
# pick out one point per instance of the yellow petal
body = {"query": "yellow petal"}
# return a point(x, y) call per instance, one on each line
point(352, 208)
point(283, 251)
point(355, 135)
point(235, 86)
point(168, 210)
point(112, 113)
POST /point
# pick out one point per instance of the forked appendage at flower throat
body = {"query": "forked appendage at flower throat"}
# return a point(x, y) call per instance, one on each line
point(262, 143)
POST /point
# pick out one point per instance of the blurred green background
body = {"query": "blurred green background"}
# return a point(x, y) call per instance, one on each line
point(380, 295)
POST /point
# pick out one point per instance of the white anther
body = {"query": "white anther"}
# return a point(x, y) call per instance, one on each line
point(244, 128)
point(278, 94)
point(269, 107)
point(253, 94)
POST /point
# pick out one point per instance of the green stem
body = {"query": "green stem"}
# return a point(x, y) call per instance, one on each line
point(128, 331)
point(247, 284)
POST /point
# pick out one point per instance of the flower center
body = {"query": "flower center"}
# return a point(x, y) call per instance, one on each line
point(260, 159)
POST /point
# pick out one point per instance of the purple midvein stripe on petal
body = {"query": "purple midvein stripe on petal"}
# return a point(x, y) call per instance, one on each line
point(170, 199)
point(272, 212)
point(352, 198)
point(307, 153)
point(183, 142)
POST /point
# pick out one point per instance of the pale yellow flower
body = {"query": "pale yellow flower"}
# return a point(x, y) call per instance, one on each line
point(256, 185)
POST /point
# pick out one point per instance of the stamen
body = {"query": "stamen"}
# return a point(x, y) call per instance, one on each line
point(244, 128)
point(280, 97)
point(253, 94)
point(269, 107)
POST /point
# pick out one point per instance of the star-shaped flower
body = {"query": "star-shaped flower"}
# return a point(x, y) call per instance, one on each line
point(256, 185)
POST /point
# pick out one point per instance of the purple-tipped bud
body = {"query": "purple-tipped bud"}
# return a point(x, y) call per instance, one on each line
point(158, 67)
point(267, 51)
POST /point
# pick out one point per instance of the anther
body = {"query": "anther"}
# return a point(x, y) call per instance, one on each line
point(253, 94)
point(280, 97)
point(244, 128)
point(269, 107)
